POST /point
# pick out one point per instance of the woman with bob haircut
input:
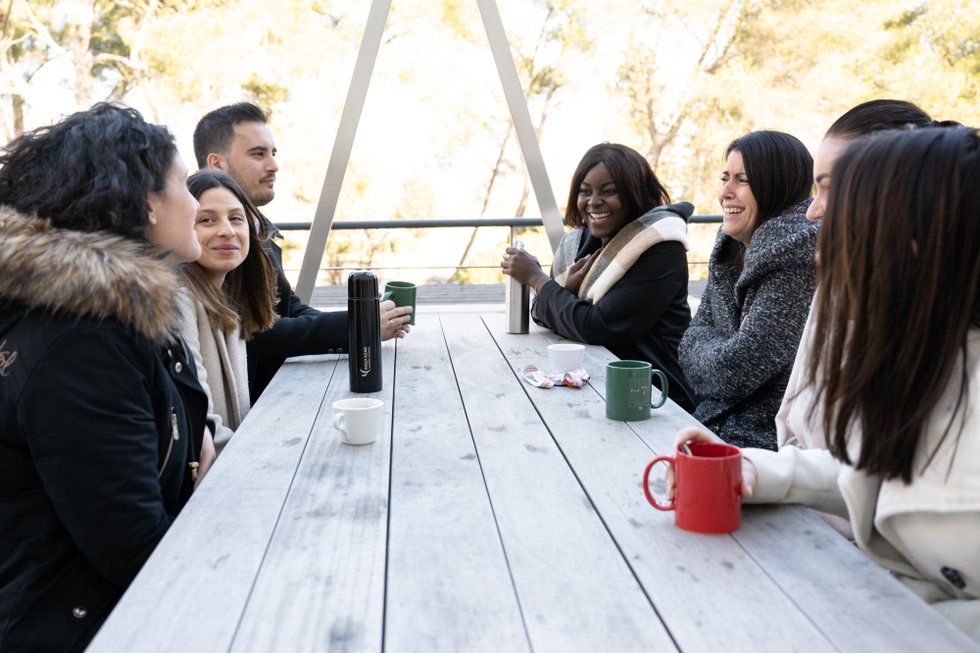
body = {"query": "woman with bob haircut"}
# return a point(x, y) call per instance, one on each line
point(102, 419)
point(231, 296)
point(619, 278)
point(738, 352)
point(893, 371)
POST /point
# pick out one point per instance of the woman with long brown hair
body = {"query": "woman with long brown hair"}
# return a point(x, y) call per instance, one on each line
point(793, 425)
point(894, 366)
point(231, 296)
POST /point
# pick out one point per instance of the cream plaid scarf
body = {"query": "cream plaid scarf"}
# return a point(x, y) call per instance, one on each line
point(660, 224)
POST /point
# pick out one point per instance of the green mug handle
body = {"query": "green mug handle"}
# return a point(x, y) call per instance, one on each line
point(386, 296)
point(663, 391)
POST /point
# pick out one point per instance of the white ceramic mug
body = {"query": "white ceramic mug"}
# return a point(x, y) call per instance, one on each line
point(358, 420)
point(565, 357)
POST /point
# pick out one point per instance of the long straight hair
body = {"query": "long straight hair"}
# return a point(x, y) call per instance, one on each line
point(899, 276)
point(247, 298)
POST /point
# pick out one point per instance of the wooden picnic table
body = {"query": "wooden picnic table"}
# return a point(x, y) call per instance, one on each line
point(491, 516)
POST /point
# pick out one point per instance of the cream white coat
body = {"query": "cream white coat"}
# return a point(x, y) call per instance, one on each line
point(923, 532)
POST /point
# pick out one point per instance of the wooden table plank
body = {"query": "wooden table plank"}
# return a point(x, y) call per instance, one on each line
point(576, 591)
point(321, 587)
point(709, 592)
point(191, 592)
point(857, 604)
point(448, 586)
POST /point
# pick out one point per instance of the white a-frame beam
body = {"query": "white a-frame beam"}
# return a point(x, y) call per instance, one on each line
point(354, 105)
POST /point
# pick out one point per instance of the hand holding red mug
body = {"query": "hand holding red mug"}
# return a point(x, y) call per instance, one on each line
point(707, 475)
point(694, 434)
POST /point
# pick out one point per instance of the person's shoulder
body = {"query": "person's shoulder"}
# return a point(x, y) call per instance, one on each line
point(683, 210)
point(788, 237)
point(791, 224)
point(668, 218)
point(110, 331)
point(59, 341)
point(670, 249)
point(573, 238)
point(83, 275)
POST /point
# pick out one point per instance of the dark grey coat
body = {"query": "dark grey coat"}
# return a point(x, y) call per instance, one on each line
point(738, 353)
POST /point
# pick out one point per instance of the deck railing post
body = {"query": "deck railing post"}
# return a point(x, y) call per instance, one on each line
point(344, 142)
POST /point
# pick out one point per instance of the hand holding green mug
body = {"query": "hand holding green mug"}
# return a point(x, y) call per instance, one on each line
point(402, 293)
point(628, 390)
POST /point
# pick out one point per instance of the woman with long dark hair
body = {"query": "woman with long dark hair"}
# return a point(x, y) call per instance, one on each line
point(793, 420)
point(893, 369)
point(102, 419)
point(231, 296)
point(619, 277)
point(738, 352)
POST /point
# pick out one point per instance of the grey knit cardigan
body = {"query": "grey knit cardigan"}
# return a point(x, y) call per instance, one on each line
point(739, 350)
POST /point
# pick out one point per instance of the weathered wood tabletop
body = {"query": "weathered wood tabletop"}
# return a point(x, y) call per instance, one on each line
point(491, 516)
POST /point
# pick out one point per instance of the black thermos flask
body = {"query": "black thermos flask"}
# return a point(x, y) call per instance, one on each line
point(364, 332)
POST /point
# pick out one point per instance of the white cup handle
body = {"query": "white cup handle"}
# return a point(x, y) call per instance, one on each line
point(340, 423)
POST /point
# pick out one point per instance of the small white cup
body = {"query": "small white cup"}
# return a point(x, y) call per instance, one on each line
point(359, 420)
point(565, 357)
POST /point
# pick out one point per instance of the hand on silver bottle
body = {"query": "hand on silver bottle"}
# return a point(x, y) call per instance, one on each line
point(523, 267)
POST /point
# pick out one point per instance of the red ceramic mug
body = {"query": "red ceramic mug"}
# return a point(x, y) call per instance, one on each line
point(707, 487)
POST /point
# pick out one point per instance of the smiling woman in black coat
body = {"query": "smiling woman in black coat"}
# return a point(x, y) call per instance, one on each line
point(619, 278)
point(102, 420)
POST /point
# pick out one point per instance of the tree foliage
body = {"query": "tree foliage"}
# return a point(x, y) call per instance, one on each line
point(676, 79)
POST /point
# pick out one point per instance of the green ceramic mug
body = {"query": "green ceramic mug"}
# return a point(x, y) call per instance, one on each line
point(402, 293)
point(628, 388)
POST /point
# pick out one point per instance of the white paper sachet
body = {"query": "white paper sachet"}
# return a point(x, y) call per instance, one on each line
point(574, 379)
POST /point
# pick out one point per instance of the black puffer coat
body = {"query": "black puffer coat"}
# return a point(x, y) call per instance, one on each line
point(101, 415)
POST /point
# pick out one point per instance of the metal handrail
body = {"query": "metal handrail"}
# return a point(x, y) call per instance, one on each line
point(512, 223)
point(427, 224)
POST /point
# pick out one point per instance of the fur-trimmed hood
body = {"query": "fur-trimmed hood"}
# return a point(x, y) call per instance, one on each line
point(98, 275)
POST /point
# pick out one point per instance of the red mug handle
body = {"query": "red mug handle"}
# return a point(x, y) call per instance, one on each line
point(646, 484)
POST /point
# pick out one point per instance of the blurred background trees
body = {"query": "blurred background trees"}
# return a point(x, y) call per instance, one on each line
point(675, 79)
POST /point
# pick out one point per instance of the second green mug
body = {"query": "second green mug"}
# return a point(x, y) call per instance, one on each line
point(629, 387)
point(402, 293)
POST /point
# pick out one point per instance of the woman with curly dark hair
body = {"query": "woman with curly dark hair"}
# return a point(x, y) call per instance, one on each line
point(102, 419)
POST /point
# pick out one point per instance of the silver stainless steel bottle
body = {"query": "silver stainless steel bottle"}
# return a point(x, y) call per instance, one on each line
point(517, 298)
point(364, 332)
